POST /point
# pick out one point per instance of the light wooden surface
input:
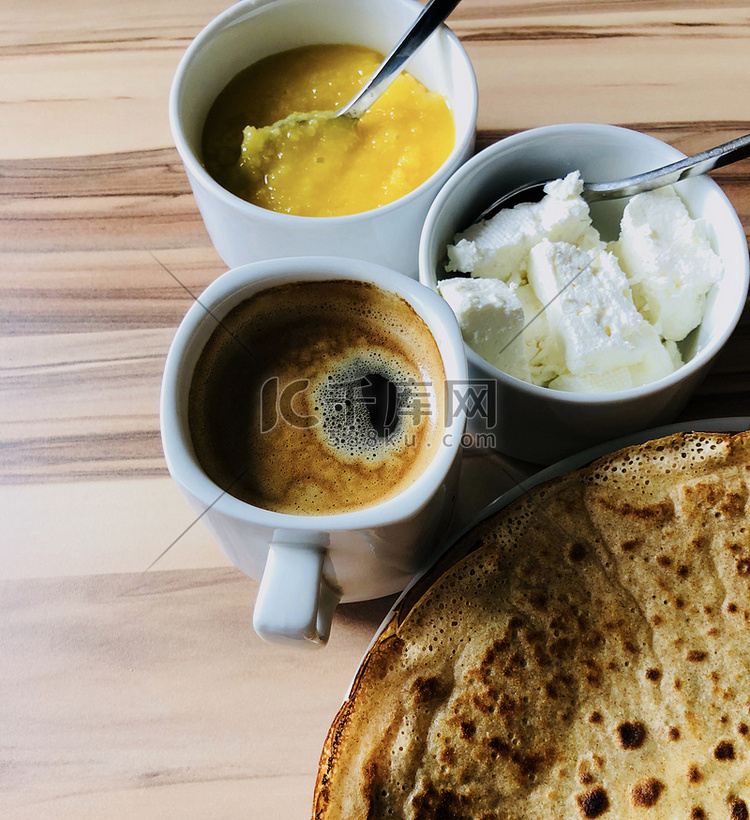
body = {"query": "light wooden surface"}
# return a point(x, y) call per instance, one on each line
point(132, 694)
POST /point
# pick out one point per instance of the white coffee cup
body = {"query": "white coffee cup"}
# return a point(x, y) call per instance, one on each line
point(253, 29)
point(308, 563)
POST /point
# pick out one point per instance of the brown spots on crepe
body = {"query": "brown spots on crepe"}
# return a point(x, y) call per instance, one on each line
point(565, 715)
point(697, 655)
point(595, 717)
point(732, 608)
point(733, 503)
point(550, 690)
point(704, 492)
point(724, 750)
point(514, 665)
point(743, 567)
point(735, 548)
point(427, 689)
point(697, 813)
point(673, 733)
point(560, 646)
point(699, 543)
point(447, 757)
point(647, 513)
point(515, 623)
point(467, 729)
point(593, 803)
point(432, 802)
point(593, 674)
point(557, 623)
point(577, 553)
point(646, 793)
point(743, 729)
point(498, 648)
point(539, 601)
point(694, 774)
point(654, 675)
point(498, 748)
point(528, 765)
point(726, 502)
point(585, 777)
point(506, 705)
point(485, 703)
point(663, 560)
point(657, 620)
point(738, 809)
point(632, 735)
point(629, 546)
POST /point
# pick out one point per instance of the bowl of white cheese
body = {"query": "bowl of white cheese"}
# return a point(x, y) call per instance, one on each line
point(582, 323)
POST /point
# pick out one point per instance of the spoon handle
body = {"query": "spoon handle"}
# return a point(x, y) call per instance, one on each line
point(431, 16)
point(690, 166)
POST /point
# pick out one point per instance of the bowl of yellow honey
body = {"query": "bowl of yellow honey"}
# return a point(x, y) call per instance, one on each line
point(274, 175)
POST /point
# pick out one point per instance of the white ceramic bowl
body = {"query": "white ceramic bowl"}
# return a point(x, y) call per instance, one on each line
point(253, 29)
point(543, 425)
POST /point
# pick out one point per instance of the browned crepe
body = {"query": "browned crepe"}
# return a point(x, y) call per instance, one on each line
point(583, 653)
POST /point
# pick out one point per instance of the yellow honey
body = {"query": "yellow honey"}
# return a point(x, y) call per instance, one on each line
point(270, 138)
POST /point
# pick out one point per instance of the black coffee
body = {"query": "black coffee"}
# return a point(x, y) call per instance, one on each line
point(317, 398)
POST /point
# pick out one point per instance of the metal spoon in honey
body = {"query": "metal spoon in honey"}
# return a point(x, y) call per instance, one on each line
point(431, 16)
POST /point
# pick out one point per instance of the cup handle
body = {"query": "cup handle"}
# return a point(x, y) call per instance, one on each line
point(295, 602)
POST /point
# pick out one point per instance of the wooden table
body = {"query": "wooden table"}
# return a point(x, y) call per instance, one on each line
point(126, 693)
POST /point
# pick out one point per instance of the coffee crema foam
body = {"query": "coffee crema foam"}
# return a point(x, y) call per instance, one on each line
point(318, 397)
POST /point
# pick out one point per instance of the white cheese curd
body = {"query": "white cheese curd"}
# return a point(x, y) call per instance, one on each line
point(499, 247)
point(668, 260)
point(542, 349)
point(592, 318)
point(491, 319)
point(589, 307)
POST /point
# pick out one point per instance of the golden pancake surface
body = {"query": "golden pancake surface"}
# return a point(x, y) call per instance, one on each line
point(583, 653)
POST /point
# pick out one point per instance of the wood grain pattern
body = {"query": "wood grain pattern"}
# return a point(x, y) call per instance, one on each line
point(147, 695)
point(144, 696)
